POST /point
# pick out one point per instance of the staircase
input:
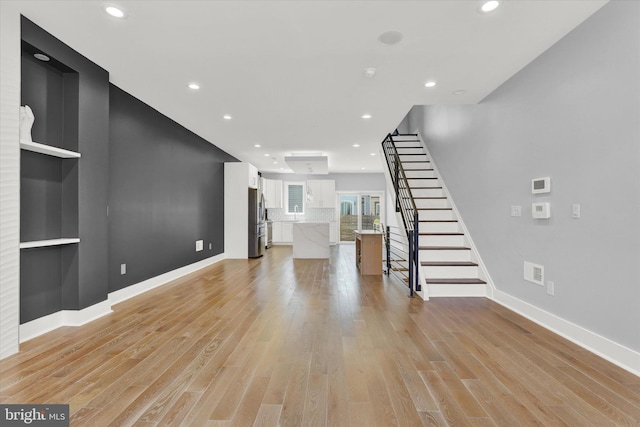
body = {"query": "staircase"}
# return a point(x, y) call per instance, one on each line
point(447, 263)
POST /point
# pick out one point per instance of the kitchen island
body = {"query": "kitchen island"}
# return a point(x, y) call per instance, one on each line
point(311, 240)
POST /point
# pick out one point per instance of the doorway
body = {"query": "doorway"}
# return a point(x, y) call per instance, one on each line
point(359, 211)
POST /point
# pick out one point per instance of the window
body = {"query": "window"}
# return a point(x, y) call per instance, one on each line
point(295, 195)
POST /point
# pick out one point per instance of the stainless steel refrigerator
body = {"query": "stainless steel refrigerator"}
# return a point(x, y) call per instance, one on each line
point(256, 224)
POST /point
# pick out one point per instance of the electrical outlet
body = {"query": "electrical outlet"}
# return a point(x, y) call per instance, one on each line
point(123, 269)
point(516, 210)
point(199, 245)
point(551, 288)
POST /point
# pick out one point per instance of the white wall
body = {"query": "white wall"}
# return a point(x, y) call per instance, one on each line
point(573, 114)
point(9, 178)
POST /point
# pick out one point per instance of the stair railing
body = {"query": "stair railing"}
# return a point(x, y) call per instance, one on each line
point(406, 205)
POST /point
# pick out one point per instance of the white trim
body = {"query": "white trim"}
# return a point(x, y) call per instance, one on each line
point(484, 272)
point(55, 320)
point(51, 242)
point(615, 353)
point(457, 290)
point(48, 150)
point(146, 285)
point(61, 318)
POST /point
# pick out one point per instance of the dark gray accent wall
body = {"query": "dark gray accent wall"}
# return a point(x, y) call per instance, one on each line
point(79, 187)
point(573, 115)
point(166, 192)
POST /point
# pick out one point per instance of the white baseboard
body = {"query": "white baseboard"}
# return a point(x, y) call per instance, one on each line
point(615, 353)
point(146, 285)
point(61, 318)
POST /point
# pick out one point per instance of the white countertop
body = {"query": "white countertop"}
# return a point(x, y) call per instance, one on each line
point(310, 239)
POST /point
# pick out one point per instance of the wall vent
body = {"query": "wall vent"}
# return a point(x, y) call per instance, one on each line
point(534, 273)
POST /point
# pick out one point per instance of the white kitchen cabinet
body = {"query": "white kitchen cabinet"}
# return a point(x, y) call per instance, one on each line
point(276, 229)
point(237, 181)
point(273, 193)
point(287, 232)
point(252, 173)
point(321, 193)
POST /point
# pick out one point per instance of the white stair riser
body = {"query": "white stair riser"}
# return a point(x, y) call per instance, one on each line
point(441, 241)
point(448, 272)
point(413, 158)
point(436, 214)
point(439, 227)
point(457, 291)
point(423, 182)
point(410, 150)
point(406, 139)
point(445, 255)
point(427, 192)
point(431, 203)
point(412, 173)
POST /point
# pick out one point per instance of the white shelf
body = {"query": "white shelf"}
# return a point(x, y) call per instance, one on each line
point(44, 243)
point(48, 150)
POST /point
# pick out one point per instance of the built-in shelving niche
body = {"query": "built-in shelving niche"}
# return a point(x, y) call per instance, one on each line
point(48, 186)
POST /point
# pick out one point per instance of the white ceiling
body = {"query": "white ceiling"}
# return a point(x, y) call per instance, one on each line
point(291, 73)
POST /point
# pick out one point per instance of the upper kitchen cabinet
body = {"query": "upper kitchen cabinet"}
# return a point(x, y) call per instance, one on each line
point(273, 193)
point(321, 193)
point(252, 173)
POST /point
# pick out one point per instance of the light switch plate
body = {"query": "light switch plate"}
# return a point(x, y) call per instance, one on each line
point(575, 211)
point(123, 269)
point(199, 245)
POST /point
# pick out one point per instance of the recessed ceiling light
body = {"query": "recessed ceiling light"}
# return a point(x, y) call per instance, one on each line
point(275, 163)
point(459, 92)
point(369, 72)
point(114, 11)
point(267, 155)
point(41, 57)
point(488, 6)
point(258, 146)
point(366, 116)
point(363, 168)
point(356, 145)
point(390, 38)
point(430, 84)
point(194, 86)
point(226, 117)
point(373, 154)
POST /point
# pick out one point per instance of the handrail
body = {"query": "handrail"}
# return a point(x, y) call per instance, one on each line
point(405, 204)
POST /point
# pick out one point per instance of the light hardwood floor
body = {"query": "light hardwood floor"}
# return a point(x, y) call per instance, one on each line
point(278, 341)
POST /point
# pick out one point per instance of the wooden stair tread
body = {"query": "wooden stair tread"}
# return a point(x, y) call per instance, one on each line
point(444, 248)
point(434, 209)
point(437, 220)
point(418, 170)
point(409, 147)
point(424, 188)
point(428, 198)
point(441, 233)
point(414, 161)
point(448, 264)
point(455, 282)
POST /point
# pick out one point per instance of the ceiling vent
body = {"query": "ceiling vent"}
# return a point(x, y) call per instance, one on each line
point(308, 164)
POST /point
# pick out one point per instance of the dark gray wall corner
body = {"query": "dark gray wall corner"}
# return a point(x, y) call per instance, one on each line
point(166, 192)
point(72, 112)
point(571, 114)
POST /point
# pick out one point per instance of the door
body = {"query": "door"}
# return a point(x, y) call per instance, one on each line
point(359, 211)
